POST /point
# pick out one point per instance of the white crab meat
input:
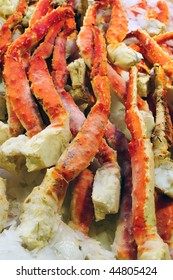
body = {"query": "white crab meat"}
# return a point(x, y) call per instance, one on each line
point(149, 121)
point(106, 190)
point(8, 7)
point(143, 84)
point(4, 205)
point(71, 46)
point(41, 205)
point(77, 70)
point(164, 178)
point(4, 135)
point(11, 157)
point(117, 115)
point(44, 149)
point(154, 27)
point(123, 56)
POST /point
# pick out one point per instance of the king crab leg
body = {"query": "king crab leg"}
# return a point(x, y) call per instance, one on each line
point(153, 52)
point(149, 243)
point(164, 215)
point(5, 31)
point(124, 244)
point(19, 94)
point(162, 135)
point(82, 211)
point(44, 89)
point(42, 8)
point(76, 157)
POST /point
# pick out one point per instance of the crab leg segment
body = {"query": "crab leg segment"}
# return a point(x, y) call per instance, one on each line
point(162, 135)
point(5, 31)
point(153, 52)
point(59, 76)
point(82, 212)
point(42, 8)
point(150, 245)
point(124, 244)
point(162, 38)
point(19, 95)
point(164, 215)
point(59, 73)
point(118, 26)
point(163, 132)
point(14, 125)
point(44, 89)
point(91, 13)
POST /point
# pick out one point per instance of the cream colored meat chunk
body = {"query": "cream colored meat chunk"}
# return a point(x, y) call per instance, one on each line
point(164, 178)
point(42, 207)
point(3, 132)
point(106, 191)
point(44, 148)
point(123, 56)
point(11, 157)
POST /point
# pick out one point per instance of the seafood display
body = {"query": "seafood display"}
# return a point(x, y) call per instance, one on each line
point(86, 135)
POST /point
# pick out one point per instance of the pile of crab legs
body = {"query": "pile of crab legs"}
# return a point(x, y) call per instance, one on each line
point(139, 237)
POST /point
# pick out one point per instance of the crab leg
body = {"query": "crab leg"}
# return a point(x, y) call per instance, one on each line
point(119, 87)
point(153, 52)
point(14, 125)
point(59, 76)
point(124, 244)
point(164, 215)
point(162, 135)
point(5, 31)
point(161, 38)
point(149, 243)
point(44, 89)
point(19, 94)
point(82, 211)
point(42, 8)
point(118, 26)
